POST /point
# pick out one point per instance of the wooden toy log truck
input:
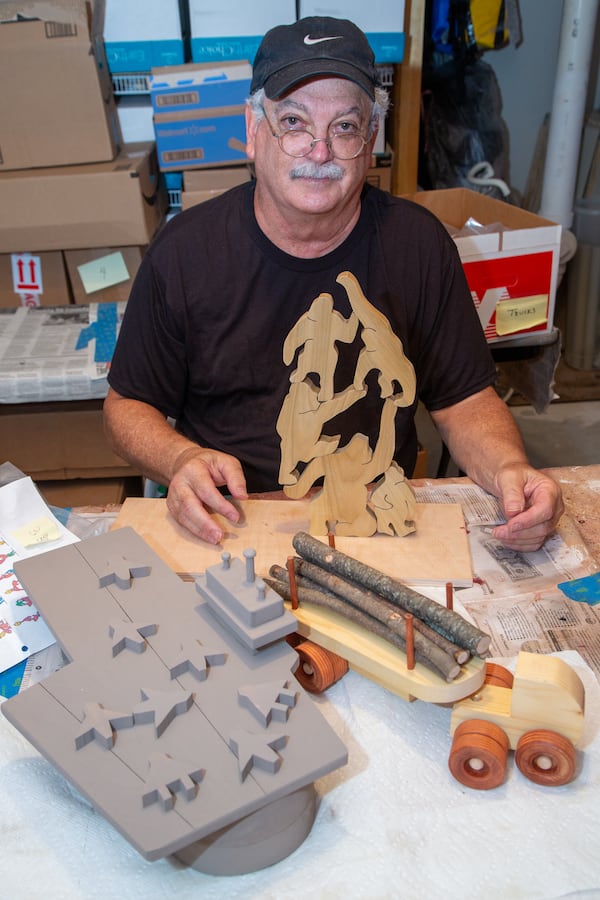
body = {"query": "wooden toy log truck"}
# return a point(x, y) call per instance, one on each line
point(538, 712)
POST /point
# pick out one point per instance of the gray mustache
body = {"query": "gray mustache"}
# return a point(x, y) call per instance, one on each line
point(310, 169)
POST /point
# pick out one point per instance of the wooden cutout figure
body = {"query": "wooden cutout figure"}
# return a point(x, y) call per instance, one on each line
point(317, 332)
point(301, 418)
point(393, 502)
point(383, 350)
point(346, 471)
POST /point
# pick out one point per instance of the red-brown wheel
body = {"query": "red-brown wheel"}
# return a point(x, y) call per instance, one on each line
point(318, 668)
point(498, 675)
point(546, 757)
point(478, 754)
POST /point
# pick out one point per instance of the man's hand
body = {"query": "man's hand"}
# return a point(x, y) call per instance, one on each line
point(193, 487)
point(532, 504)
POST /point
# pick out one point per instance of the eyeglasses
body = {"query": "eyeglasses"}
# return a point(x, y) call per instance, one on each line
point(299, 142)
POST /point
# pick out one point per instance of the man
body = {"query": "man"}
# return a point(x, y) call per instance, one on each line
point(225, 282)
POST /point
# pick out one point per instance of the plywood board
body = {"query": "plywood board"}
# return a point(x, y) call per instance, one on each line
point(437, 553)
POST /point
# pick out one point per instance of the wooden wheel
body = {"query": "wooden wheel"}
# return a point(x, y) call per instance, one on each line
point(318, 668)
point(478, 755)
point(546, 757)
point(498, 675)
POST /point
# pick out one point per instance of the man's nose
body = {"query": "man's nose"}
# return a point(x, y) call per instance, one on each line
point(321, 149)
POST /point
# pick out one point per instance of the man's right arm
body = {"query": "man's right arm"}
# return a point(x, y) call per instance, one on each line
point(141, 434)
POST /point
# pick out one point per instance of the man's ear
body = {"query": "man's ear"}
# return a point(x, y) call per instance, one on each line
point(251, 126)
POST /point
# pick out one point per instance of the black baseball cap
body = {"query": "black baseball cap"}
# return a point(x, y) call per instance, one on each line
point(317, 45)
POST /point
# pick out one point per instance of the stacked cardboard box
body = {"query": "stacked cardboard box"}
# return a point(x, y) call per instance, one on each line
point(230, 30)
point(117, 203)
point(199, 114)
point(56, 103)
point(381, 20)
point(141, 34)
point(67, 184)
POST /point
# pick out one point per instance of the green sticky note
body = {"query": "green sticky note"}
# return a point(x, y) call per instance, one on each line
point(103, 272)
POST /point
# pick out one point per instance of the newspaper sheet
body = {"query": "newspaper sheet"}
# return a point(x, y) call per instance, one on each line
point(57, 353)
point(515, 598)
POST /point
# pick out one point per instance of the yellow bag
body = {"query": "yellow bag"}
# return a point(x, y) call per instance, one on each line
point(490, 25)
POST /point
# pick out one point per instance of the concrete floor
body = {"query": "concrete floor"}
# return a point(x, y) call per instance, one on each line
point(567, 434)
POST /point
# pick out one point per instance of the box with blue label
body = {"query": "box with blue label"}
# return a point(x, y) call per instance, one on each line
point(142, 34)
point(381, 20)
point(209, 137)
point(199, 86)
point(228, 29)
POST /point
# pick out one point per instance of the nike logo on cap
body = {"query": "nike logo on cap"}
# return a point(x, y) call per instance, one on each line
point(308, 40)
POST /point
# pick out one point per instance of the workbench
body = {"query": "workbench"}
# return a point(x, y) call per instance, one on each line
point(392, 823)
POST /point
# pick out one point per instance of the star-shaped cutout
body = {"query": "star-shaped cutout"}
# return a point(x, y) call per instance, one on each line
point(99, 725)
point(130, 635)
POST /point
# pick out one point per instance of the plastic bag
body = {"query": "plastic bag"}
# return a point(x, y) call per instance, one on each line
point(463, 128)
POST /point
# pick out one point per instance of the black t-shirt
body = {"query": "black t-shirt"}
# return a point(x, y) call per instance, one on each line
point(203, 333)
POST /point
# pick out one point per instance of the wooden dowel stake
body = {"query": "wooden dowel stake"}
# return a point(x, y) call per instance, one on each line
point(292, 577)
point(449, 595)
point(410, 641)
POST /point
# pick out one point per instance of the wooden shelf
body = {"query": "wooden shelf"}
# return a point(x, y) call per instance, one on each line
point(406, 102)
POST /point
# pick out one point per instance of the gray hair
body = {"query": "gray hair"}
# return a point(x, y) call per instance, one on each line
point(379, 110)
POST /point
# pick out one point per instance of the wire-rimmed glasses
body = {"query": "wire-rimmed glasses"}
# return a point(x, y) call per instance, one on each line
point(299, 142)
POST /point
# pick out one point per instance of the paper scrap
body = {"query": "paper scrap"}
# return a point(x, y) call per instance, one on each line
point(41, 531)
point(521, 313)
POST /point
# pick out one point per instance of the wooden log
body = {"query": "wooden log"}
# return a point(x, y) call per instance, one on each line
point(358, 596)
point(426, 653)
point(446, 621)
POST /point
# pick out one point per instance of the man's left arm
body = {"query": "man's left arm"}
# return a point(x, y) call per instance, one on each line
point(485, 443)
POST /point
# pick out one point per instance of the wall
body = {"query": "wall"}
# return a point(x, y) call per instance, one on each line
point(526, 77)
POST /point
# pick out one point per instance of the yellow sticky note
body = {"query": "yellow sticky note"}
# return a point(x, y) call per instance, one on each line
point(103, 273)
point(520, 314)
point(40, 531)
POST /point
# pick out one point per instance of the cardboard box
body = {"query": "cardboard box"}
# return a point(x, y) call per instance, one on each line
point(112, 204)
point(189, 88)
point(103, 274)
point(228, 29)
point(86, 492)
point(380, 177)
point(141, 34)
point(512, 271)
point(33, 279)
point(203, 184)
point(135, 119)
point(381, 20)
point(58, 441)
point(379, 173)
point(208, 137)
point(56, 102)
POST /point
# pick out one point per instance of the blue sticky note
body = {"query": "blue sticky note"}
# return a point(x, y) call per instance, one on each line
point(586, 589)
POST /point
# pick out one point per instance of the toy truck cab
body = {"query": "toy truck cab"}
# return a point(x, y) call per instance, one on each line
point(540, 717)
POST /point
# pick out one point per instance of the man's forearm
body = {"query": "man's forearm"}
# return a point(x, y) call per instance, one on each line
point(481, 435)
point(142, 436)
